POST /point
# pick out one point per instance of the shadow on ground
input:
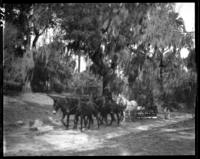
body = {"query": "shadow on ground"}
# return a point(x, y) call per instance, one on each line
point(143, 137)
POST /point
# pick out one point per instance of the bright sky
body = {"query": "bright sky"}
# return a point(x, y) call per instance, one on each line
point(187, 12)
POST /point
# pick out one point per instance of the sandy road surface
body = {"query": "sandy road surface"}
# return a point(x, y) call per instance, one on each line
point(143, 137)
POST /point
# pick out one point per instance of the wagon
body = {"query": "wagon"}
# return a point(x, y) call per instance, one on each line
point(147, 112)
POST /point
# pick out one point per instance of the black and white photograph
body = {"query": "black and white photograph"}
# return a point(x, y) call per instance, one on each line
point(99, 79)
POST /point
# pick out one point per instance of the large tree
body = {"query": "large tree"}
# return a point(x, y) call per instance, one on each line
point(105, 32)
point(115, 36)
point(122, 35)
point(163, 34)
point(21, 22)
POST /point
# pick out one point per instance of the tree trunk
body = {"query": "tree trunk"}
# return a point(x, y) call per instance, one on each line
point(79, 63)
point(28, 42)
point(27, 87)
point(35, 40)
point(161, 71)
point(103, 86)
point(27, 83)
point(106, 89)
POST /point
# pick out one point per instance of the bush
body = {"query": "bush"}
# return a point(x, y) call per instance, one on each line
point(16, 68)
point(86, 83)
point(117, 85)
point(51, 67)
point(10, 87)
point(58, 86)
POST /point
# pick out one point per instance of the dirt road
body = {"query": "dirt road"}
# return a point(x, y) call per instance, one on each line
point(143, 137)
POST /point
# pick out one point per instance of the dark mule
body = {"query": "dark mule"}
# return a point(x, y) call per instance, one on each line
point(68, 107)
point(115, 109)
point(104, 109)
point(100, 102)
point(86, 109)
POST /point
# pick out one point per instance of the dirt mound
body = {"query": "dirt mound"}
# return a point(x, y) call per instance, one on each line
point(37, 98)
point(28, 107)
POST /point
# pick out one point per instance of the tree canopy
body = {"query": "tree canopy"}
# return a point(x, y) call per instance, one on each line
point(141, 40)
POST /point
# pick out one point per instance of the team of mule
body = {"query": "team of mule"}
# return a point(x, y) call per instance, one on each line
point(85, 109)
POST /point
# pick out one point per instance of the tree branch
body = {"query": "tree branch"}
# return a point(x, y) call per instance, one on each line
point(43, 30)
point(109, 23)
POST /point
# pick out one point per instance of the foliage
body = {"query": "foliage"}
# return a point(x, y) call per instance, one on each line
point(179, 84)
point(91, 26)
point(191, 60)
point(16, 64)
point(30, 19)
point(86, 83)
point(179, 81)
point(164, 32)
point(53, 66)
point(128, 33)
point(142, 90)
point(117, 86)
point(18, 68)
point(21, 22)
point(143, 40)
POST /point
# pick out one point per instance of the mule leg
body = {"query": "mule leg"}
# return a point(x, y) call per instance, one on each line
point(81, 122)
point(112, 118)
point(97, 118)
point(90, 121)
point(62, 120)
point(68, 120)
point(101, 118)
point(85, 121)
point(121, 115)
point(105, 119)
point(75, 121)
point(118, 119)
